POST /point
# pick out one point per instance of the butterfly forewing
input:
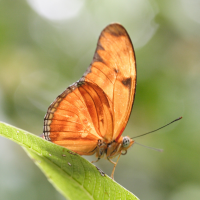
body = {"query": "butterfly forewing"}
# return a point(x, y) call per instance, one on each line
point(114, 70)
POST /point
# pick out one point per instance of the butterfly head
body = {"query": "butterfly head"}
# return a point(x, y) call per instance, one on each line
point(126, 143)
point(119, 147)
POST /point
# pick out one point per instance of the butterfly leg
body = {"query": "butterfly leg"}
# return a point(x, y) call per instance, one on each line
point(100, 150)
point(115, 164)
point(96, 160)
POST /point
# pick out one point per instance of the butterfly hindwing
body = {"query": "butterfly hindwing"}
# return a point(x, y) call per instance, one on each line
point(78, 118)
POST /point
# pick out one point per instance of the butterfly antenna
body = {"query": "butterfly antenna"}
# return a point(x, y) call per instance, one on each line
point(160, 150)
point(158, 128)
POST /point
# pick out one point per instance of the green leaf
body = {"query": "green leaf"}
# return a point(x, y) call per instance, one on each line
point(72, 175)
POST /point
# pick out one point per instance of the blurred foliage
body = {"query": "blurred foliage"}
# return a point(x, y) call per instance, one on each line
point(45, 47)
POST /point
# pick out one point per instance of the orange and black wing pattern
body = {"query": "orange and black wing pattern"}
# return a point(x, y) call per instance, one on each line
point(98, 106)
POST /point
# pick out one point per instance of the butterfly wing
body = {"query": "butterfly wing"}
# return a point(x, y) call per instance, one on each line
point(113, 69)
point(77, 117)
point(99, 104)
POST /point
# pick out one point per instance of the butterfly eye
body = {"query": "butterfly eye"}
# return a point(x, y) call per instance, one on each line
point(126, 141)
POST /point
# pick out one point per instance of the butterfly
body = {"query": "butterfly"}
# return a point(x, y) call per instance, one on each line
point(90, 116)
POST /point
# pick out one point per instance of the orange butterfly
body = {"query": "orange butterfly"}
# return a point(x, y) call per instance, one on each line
point(91, 114)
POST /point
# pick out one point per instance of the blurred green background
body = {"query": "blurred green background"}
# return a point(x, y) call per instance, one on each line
point(47, 45)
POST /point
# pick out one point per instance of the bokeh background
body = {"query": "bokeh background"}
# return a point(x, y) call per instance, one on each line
point(47, 45)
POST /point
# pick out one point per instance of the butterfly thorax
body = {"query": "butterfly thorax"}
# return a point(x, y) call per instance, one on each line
point(114, 148)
